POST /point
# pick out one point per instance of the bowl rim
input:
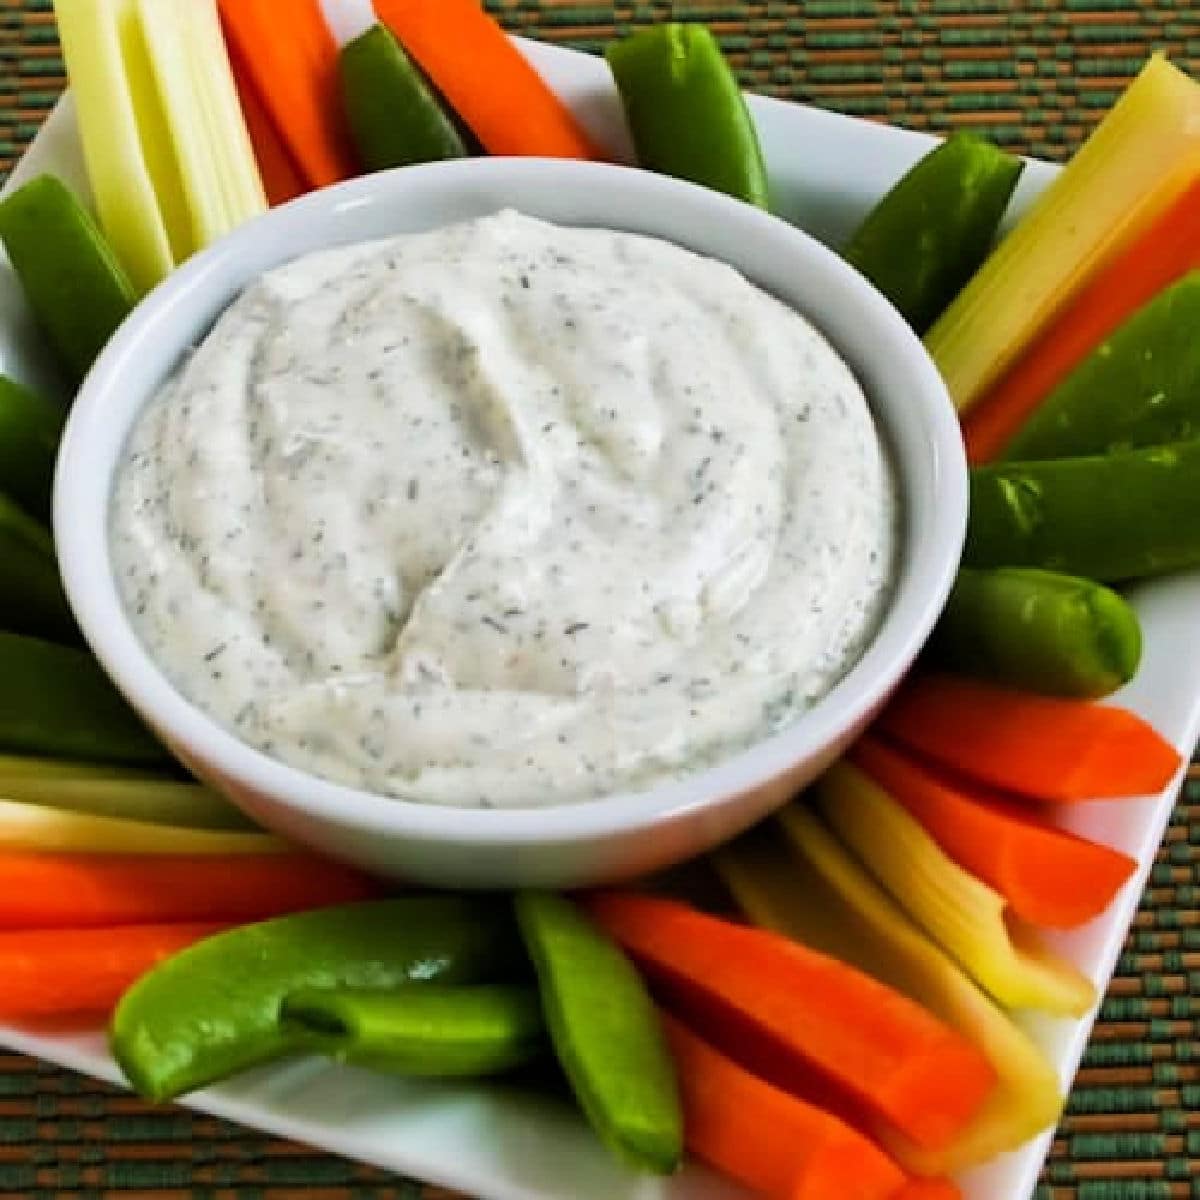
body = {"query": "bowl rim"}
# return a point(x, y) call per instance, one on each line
point(918, 594)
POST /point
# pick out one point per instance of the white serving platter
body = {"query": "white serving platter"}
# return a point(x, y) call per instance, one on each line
point(494, 1142)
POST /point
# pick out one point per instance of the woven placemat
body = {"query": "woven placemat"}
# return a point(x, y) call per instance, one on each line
point(1033, 75)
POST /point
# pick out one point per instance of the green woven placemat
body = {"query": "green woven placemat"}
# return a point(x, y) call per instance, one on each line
point(1035, 76)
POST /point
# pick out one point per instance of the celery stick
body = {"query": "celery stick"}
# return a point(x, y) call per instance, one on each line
point(966, 917)
point(155, 801)
point(203, 118)
point(34, 827)
point(129, 158)
point(794, 877)
point(1139, 158)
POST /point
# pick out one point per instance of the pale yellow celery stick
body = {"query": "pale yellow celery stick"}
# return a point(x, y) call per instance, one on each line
point(129, 158)
point(29, 767)
point(961, 913)
point(793, 876)
point(195, 90)
point(33, 827)
point(155, 801)
point(1137, 160)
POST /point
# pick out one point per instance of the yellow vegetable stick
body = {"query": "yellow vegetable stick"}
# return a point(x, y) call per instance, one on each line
point(1137, 160)
point(795, 877)
point(202, 116)
point(961, 913)
point(33, 827)
point(129, 159)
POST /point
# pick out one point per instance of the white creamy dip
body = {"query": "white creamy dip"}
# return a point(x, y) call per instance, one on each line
point(505, 514)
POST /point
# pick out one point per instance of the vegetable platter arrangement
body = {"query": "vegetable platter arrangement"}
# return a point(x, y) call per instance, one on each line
point(881, 993)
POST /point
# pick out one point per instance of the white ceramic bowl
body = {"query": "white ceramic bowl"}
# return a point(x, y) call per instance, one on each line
point(567, 845)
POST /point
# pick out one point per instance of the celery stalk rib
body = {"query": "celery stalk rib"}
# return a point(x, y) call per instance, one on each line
point(966, 917)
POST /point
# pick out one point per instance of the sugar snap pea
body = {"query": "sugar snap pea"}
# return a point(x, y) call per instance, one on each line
point(78, 291)
point(1109, 517)
point(922, 242)
point(1039, 631)
point(605, 1032)
point(30, 426)
point(1139, 387)
point(55, 700)
point(32, 600)
point(432, 1030)
point(214, 1009)
point(394, 115)
point(685, 111)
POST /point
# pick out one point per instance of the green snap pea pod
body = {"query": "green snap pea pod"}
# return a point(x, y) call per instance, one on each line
point(55, 700)
point(605, 1032)
point(30, 427)
point(1109, 517)
point(75, 286)
point(214, 1009)
point(31, 596)
point(1139, 387)
point(422, 1031)
point(394, 115)
point(1040, 631)
point(685, 111)
point(922, 242)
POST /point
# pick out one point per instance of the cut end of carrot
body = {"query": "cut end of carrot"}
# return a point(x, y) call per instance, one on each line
point(1046, 748)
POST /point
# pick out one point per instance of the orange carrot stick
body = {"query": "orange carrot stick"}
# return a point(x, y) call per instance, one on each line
point(1166, 251)
point(928, 1189)
point(485, 78)
point(805, 1022)
point(762, 1137)
point(53, 972)
point(1043, 747)
point(67, 891)
point(291, 60)
point(281, 178)
point(1048, 876)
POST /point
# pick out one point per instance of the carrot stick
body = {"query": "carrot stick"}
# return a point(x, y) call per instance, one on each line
point(282, 180)
point(805, 1022)
point(485, 78)
point(762, 1137)
point(1047, 875)
point(291, 60)
point(928, 1189)
point(1164, 252)
point(65, 891)
point(52, 972)
point(1043, 747)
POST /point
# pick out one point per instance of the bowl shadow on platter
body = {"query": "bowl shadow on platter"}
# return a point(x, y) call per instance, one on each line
point(589, 841)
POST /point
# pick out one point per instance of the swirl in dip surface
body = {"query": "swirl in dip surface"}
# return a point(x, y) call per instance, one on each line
point(505, 514)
